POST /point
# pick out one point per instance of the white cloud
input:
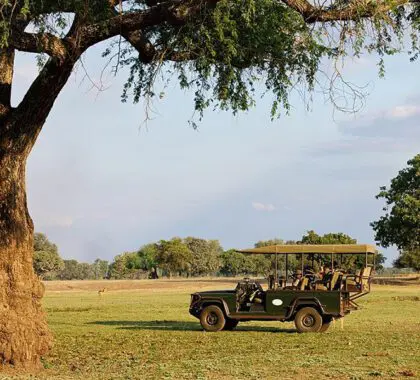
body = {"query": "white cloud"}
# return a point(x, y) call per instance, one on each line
point(398, 112)
point(263, 207)
point(404, 111)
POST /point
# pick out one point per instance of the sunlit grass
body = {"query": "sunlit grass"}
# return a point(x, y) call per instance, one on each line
point(150, 335)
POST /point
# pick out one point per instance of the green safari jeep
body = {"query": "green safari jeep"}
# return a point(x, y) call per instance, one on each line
point(309, 300)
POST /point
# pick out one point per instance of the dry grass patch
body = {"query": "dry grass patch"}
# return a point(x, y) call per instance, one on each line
point(145, 332)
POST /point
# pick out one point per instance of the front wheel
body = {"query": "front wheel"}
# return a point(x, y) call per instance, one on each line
point(212, 318)
point(308, 319)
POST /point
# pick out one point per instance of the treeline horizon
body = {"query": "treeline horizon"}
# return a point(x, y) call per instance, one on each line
point(186, 257)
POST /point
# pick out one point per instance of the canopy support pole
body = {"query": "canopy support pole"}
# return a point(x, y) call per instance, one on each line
point(276, 277)
point(301, 262)
point(287, 266)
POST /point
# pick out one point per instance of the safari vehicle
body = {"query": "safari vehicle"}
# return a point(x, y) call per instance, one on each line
point(311, 301)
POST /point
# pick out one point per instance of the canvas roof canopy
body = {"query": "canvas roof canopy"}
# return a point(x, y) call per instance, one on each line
point(313, 248)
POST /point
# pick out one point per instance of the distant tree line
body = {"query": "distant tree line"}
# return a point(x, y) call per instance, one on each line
point(50, 266)
point(192, 257)
point(188, 257)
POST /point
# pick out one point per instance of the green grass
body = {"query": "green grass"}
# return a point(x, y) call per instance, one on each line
point(143, 335)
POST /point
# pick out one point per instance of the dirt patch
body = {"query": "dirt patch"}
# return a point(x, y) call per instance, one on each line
point(406, 298)
point(402, 281)
point(161, 285)
point(407, 372)
point(175, 285)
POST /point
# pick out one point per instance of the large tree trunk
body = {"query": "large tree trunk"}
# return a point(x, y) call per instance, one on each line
point(24, 335)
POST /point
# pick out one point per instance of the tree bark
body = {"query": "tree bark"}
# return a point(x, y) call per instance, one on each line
point(24, 335)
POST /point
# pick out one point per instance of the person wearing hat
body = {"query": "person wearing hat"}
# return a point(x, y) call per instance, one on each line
point(297, 277)
point(327, 276)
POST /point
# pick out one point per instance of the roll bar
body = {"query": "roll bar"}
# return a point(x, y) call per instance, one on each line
point(321, 249)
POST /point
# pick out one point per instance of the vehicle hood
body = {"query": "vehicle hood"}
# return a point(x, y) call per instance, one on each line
point(215, 292)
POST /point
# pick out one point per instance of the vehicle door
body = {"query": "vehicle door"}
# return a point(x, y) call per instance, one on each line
point(279, 300)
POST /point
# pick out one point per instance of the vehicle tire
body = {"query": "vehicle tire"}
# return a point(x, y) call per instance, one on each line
point(230, 324)
point(212, 318)
point(308, 319)
point(326, 323)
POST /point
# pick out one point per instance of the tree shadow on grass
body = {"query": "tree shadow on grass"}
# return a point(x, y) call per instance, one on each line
point(164, 325)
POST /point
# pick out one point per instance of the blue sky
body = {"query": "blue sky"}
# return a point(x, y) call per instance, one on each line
point(100, 182)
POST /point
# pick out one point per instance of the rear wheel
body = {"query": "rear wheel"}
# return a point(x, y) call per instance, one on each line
point(230, 324)
point(212, 318)
point(308, 319)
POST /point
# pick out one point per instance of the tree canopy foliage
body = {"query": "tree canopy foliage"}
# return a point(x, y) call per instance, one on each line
point(347, 261)
point(47, 261)
point(205, 255)
point(220, 49)
point(400, 225)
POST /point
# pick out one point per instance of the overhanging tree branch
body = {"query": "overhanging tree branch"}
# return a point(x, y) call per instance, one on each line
point(144, 47)
point(140, 42)
point(40, 43)
point(29, 116)
point(355, 10)
point(174, 12)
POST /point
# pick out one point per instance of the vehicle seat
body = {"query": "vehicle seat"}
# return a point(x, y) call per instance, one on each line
point(257, 296)
point(359, 281)
point(334, 280)
point(304, 283)
point(320, 286)
point(364, 277)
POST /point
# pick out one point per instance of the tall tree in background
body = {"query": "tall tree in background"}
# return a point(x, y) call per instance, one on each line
point(174, 256)
point(70, 270)
point(47, 260)
point(147, 254)
point(233, 263)
point(266, 243)
point(205, 255)
point(100, 269)
point(348, 261)
point(400, 225)
point(220, 49)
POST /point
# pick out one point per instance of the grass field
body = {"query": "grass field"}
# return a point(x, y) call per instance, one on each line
point(142, 330)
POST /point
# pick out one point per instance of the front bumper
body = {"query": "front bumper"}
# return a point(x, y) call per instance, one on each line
point(195, 305)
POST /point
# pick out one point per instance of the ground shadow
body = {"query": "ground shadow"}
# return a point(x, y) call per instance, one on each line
point(181, 326)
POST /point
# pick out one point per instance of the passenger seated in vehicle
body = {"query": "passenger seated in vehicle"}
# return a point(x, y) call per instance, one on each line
point(311, 275)
point(326, 276)
point(297, 278)
point(282, 282)
point(271, 281)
